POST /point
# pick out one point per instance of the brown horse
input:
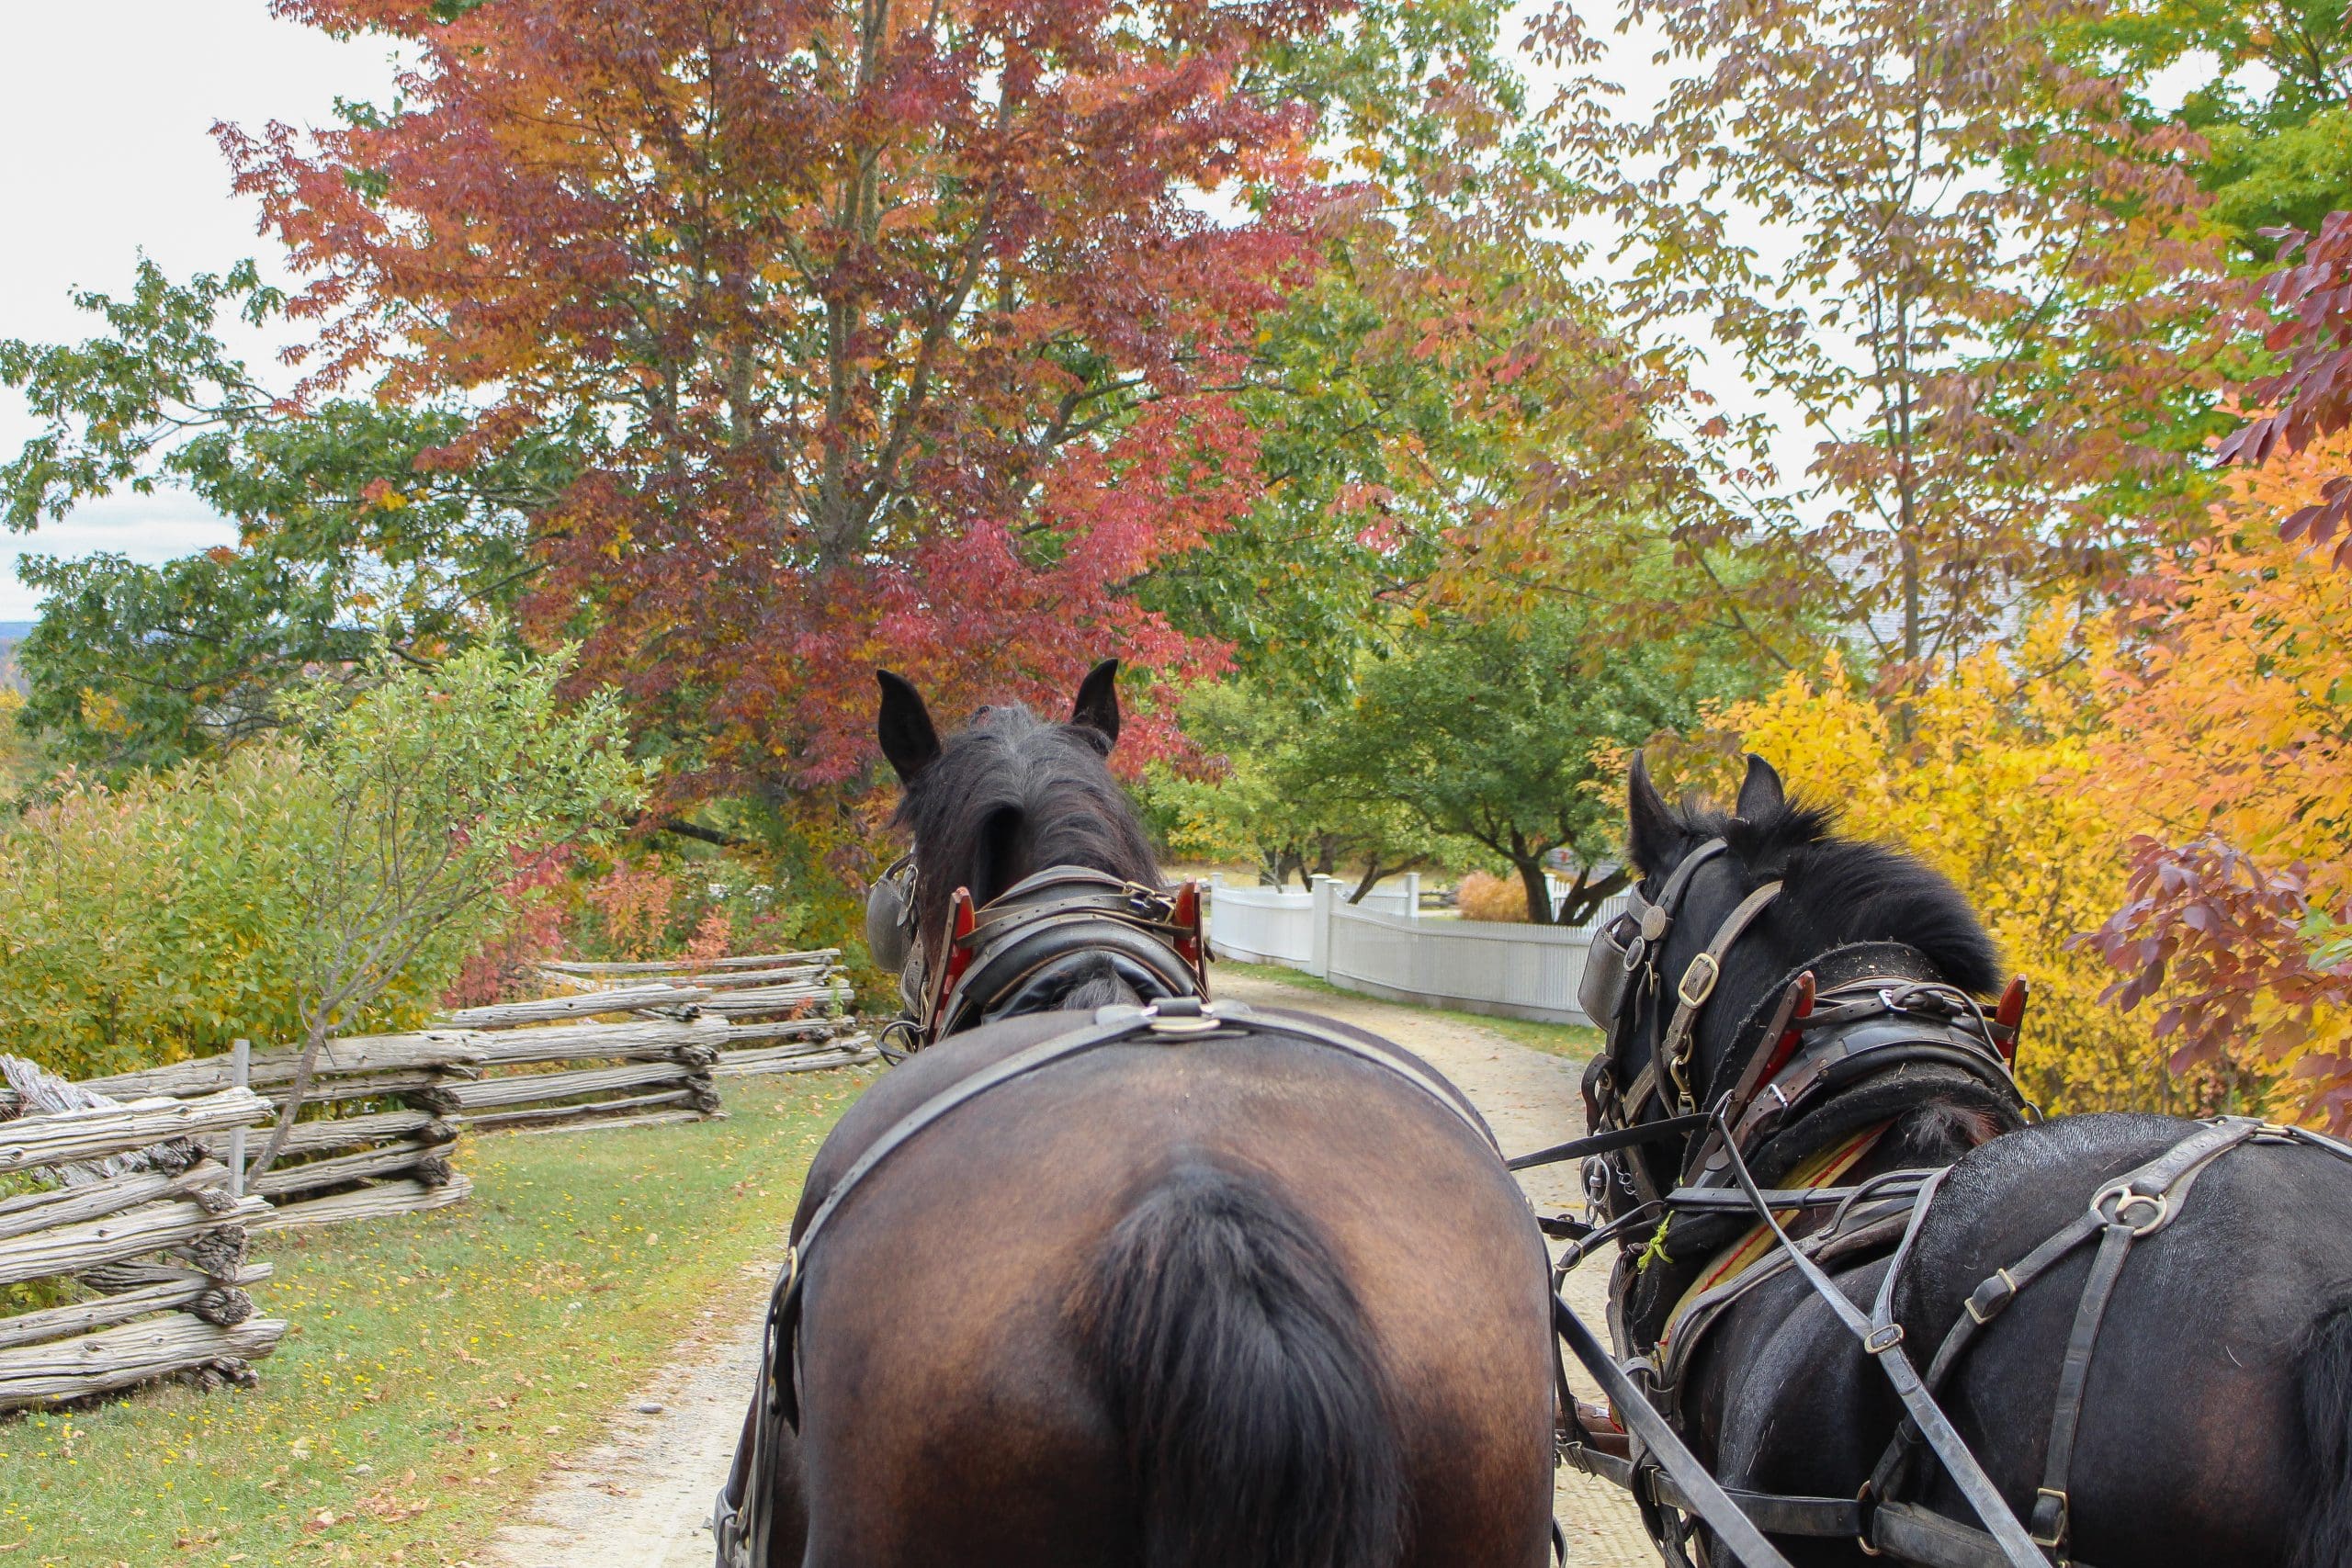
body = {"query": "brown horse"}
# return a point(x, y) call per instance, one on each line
point(1228, 1301)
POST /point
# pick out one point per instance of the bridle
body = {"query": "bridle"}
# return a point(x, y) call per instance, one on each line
point(1024, 949)
point(1854, 1012)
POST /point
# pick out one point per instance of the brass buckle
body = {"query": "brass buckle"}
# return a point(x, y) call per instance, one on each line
point(1715, 973)
point(1883, 1338)
point(1984, 1317)
point(2057, 1535)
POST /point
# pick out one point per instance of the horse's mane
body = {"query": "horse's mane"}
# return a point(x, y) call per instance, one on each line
point(1009, 771)
point(1835, 890)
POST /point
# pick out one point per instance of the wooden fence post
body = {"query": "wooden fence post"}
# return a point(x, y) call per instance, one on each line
point(1412, 894)
point(241, 1066)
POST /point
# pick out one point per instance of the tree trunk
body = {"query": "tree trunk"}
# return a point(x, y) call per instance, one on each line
point(1373, 870)
point(1584, 900)
point(1530, 879)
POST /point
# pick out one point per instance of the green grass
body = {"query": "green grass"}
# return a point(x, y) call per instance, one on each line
point(1573, 1041)
point(436, 1362)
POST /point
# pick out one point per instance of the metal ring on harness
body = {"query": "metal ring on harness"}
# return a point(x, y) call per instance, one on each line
point(2122, 1197)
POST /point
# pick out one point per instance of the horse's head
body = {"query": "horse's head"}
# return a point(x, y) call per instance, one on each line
point(1010, 795)
point(1736, 947)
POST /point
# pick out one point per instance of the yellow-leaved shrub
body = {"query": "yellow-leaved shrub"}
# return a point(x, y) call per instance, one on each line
point(1984, 776)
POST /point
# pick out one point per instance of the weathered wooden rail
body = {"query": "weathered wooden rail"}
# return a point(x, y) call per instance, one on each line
point(628, 1045)
point(92, 1189)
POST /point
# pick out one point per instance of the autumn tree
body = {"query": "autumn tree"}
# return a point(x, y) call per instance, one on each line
point(1443, 413)
point(2231, 748)
point(910, 331)
point(2310, 395)
point(1984, 294)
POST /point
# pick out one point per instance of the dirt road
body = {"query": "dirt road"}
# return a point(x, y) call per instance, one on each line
point(642, 1498)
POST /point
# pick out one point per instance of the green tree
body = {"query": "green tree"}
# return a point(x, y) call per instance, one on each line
point(335, 874)
point(1507, 732)
point(362, 527)
point(438, 790)
point(2274, 106)
point(1271, 793)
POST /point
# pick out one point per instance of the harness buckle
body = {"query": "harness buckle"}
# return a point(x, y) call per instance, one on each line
point(1987, 1301)
point(1883, 1338)
point(2047, 1525)
point(1179, 1015)
point(1705, 985)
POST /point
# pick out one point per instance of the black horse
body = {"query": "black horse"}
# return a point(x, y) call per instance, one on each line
point(2216, 1419)
point(1219, 1299)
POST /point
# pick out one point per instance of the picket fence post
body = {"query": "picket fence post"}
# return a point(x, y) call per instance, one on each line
point(1412, 894)
point(1318, 940)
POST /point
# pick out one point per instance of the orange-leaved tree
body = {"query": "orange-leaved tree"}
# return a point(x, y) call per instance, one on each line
point(2231, 744)
point(907, 333)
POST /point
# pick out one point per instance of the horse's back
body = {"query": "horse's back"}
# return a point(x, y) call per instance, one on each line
point(2194, 1417)
point(956, 1396)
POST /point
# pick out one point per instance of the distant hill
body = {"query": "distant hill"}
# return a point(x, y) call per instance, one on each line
point(11, 634)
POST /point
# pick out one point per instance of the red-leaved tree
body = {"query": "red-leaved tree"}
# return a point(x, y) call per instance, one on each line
point(909, 331)
point(2312, 396)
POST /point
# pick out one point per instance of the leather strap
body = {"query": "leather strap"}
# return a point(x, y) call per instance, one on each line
point(1664, 1449)
point(1883, 1340)
point(1698, 983)
point(2162, 1182)
point(2049, 1518)
point(1604, 1142)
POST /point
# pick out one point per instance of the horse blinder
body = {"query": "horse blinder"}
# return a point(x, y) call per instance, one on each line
point(890, 917)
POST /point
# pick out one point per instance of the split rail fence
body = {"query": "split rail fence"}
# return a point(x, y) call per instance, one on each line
point(126, 1229)
point(392, 1104)
point(121, 1202)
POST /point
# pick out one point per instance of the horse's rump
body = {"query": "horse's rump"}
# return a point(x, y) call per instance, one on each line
point(2215, 1383)
point(1374, 1363)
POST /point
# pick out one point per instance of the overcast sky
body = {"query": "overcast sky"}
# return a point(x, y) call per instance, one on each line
point(106, 108)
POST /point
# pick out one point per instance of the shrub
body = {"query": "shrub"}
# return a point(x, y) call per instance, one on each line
point(335, 878)
point(1481, 895)
point(1990, 785)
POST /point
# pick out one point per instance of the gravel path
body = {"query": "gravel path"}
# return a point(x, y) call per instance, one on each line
point(642, 1498)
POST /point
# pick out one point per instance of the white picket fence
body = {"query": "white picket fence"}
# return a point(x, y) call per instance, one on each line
point(1384, 948)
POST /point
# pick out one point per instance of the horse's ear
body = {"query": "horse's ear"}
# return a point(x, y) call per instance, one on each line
point(1760, 796)
point(1098, 701)
point(904, 726)
point(1651, 831)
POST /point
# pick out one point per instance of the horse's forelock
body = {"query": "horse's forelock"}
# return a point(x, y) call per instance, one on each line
point(1053, 777)
point(1837, 890)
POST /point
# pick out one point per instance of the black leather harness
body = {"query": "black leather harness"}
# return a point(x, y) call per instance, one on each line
point(1865, 1024)
point(1022, 951)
